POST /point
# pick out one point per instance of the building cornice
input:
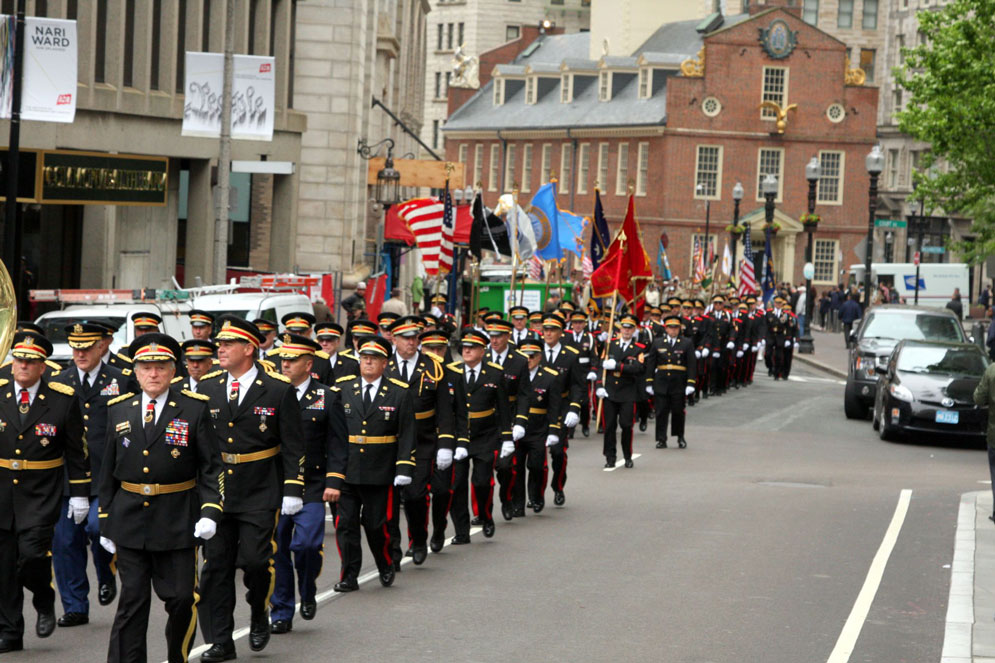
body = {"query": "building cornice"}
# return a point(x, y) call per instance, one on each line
point(512, 134)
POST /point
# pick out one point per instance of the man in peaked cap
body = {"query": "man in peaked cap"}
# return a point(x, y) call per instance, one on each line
point(342, 366)
point(201, 324)
point(143, 322)
point(580, 338)
point(514, 367)
point(519, 316)
point(671, 374)
point(618, 382)
point(298, 322)
point(268, 329)
point(199, 359)
point(32, 471)
point(564, 359)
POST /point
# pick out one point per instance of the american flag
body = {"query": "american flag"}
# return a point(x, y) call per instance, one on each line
point(448, 229)
point(535, 268)
point(699, 260)
point(587, 266)
point(424, 219)
point(747, 276)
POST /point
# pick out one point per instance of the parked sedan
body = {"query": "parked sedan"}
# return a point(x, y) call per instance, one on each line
point(928, 387)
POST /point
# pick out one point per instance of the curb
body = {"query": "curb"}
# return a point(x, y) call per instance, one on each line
point(819, 365)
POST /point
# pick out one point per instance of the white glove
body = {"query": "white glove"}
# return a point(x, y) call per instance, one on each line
point(507, 448)
point(739, 353)
point(603, 336)
point(755, 348)
point(601, 393)
point(592, 376)
point(697, 353)
point(796, 346)
point(715, 353)
point(787, 344)
point(108, 545)
point(571, 420)
point(291, 505)
point(552, 440)
point(517, 432)
point(205, 528)
point(649, 389)
point(609, 365)
point(745, 345)
point(79, 509)
point(730, 345)
point(443, 458)
point(461, 454)
point(689, 390)
point(401, 480)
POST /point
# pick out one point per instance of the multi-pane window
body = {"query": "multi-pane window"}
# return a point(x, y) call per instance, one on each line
point(645, 81)
point(769, 162)
point(867, 62)
point(440, 34)
point(892, 168)
point(810, 12)
point(622, 172)
point(498, 91)
point(604, 86)
point(583, 167)
point(509, 167)
point(530, 90)
point(896, 100)
point(706, 172)
point(478, 166)
point(449, 36)
point(825, 261)
point(566, 167)
point(566, 90)
point(642, 174)
point(459, 41)
point(526, 168)
point(870, 18)
point(438, 85)
point(492, 170)
point(547, 163)
point(844, 14)
point(899, 47)
point(775, 89)
point(602, 182)
point(464, 158)
point(830, 188)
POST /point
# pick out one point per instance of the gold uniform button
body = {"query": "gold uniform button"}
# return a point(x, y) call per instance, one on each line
point(145, 453)
point(231, 472)
point(145, 504)
point(17, 452)
point(364, 431)
point(231, 424)
point(86, 405)
point(86, 417)
point(364, 423)
point(230, 440)
point(15, 482)
point(145, 470)
point(20, 437)
point(362, 451)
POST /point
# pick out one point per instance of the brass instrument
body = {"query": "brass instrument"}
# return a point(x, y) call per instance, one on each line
point(8, 311)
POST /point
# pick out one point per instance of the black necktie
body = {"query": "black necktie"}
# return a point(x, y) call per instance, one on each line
point(149, 418)
point(404, 370)
point(368, 397)
point(471, 378)
point(86, 384)
point(549, 353)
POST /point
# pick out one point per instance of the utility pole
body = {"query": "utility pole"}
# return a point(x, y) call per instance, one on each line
point(224, 158)
point(12, 211)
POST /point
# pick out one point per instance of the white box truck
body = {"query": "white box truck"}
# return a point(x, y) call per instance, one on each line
point(937, 281)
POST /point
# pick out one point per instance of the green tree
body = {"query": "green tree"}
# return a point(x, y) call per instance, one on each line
point(951, 78)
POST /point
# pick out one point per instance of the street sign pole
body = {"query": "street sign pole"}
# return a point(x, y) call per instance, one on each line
point(917, 258)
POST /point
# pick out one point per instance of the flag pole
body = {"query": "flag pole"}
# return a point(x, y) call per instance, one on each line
point(611, 320)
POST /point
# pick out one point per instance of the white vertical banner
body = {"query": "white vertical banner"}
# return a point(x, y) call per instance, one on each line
point(253, 96)
point(48, 89)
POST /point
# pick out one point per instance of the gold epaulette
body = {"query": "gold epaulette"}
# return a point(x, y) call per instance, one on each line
point(268, 365)
point(278, 376)
point(178, 378)
point(215, 362)
point(334, 388)
point(61, 388)
point(345, 378)
point(192, 394)
point(4, 382)
point(495, 365)
point(455, 367)
point(322, 354)
point(51, 364)
point(121, 398)
point(212, 374)
point(572, 349)
point(347, 354)
point(549, 370)
point(403, 385)
point(124, 358)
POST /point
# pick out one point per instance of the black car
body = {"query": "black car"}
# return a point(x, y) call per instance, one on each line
point(871, 345)
point(928, 387)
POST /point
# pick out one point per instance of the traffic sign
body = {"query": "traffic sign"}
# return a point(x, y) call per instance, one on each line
point(915, 258)
point(934, 249)
point(890, 223)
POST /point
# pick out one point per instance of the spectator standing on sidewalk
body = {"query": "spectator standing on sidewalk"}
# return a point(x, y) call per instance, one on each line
point(955, 305)
point(984, 395)
point(825, 304)
point(355, 304)
point(849, 313)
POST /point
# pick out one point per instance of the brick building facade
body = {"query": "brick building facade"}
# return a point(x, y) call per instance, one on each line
point(679, 112)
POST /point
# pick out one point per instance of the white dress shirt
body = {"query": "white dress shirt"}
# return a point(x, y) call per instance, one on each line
point(556, 351)
point(301, 389)
point(411, 363)
point(373, 392)
point(92, 374)
point(244, 381)
point(499, 358)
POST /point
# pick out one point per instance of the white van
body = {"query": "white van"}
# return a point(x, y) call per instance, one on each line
point(270, 306)
point(937, 281)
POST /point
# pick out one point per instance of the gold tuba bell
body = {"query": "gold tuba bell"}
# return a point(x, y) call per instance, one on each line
point(8, 311)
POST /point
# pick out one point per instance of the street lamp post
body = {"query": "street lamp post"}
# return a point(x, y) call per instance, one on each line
point(768, 187)
point(708, 213)
point(875, 164)
point(812, 173)
point(920, 227)
point(737, 196)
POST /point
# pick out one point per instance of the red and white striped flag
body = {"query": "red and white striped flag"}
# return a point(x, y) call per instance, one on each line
point(535, 268)
point(587, 266)
point(424, 219)
point(747, 275)
point(448, 230)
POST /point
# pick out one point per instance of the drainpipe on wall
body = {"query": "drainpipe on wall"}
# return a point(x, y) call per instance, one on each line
point(504, 155)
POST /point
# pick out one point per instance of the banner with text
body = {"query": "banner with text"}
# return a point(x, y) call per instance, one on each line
point(48, 88)
point(253, 96)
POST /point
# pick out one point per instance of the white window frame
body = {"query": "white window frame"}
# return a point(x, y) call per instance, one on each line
point(645, 82)
point(546, 171)
point(464, 157)
point(566, 88)
point(604, 86)
point(498, 91)
point(478, 166)
point(766, 114)
point(807, 9)
point(603, 150)
point(622, 170)
point(643, 168)
point(526, 167)
point(840, 179)
point(780, 173)
point(893, 159)
point(509, 166)
point(566, 167)
point(718, 173)
point(833, 276)
point(530, 90)
point(583, 167)
point(492, 171)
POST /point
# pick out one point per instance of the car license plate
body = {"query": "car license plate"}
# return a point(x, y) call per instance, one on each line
point(947, 417)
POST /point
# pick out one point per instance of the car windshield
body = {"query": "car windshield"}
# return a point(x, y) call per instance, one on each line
point(55, 328)
point(964, 362)
point(900, 325)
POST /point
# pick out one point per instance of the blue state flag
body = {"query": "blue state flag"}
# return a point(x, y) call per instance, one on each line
point(768, 283)
point(600, 236)
point(556, 230)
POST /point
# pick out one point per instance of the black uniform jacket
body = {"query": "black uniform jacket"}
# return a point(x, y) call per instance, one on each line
point(435, 417)
point(515, 369)
point(671, 369)
point(539, 404)
point(381, 436)
point(529, 336)
point(109, 384)
point(325, 435)
point(52, 431)
point(267, 418)
point(585, 344)
point(624, 384)
point(572, 373)
point(488, 411)
point(183, 447)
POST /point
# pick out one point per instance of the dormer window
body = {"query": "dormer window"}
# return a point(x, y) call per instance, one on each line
point(498, 91)
point(530, 90)
point(566, 88)
point(645, 82)
point(605, 86)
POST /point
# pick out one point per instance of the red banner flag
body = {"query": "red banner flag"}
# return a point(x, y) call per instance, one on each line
point(626, 266)
point(375, 292)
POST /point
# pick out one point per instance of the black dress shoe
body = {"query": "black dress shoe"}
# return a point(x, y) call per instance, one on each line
point(538, 506)
point(73, 619)
point(346, 585)
point(460, 540)
point(642, 426)
point(601, 430)
point(610, 463)
point(220, 652)
point(691, 402)
point(628, 462)
point(387, 577)
point(107, 593)
point(519, 512)
point(397, 566)
point(259, 630)
point(682, 443)
point(661, 444)
point(438, 541)
point(488, 528)
point(559, 498)
point(419, 555)
point(281, 626)
point(529, 504)
point(476, 522)
point(45, 625)
point(507, 511)
point(309, 609)
point(586, 430)
point(11, 644)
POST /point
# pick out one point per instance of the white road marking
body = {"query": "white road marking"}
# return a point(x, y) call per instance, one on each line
point(795, 378)
point(858, 615)
point(322, 597)
point(620, 463)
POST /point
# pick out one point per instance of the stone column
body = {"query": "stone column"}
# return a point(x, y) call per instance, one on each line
point(200, 224)
point(283, 230)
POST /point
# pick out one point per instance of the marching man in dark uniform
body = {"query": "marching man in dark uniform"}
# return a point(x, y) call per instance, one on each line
point(201, 325)
point(488, 432)
point(623, 369)
point(41, 441)
point(268, 329)
point(160, 490)
point(300, 537)
point(257, 417)
point(564, 359)
point(671, 373)
point(95, 383)
point(536, 421)
point(341, 367)
point(198, 356)
point(583, 340)
point(513, 366)
point(520, 332)
point(380, 418)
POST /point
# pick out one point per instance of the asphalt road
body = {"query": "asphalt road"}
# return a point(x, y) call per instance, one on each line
point(751, 545)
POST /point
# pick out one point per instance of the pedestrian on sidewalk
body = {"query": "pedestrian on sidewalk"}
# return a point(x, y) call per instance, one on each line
point(955, 305)
point(984, 395)
point(849, 313)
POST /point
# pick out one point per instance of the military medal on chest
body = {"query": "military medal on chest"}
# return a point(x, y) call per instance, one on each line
point(263, 412)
